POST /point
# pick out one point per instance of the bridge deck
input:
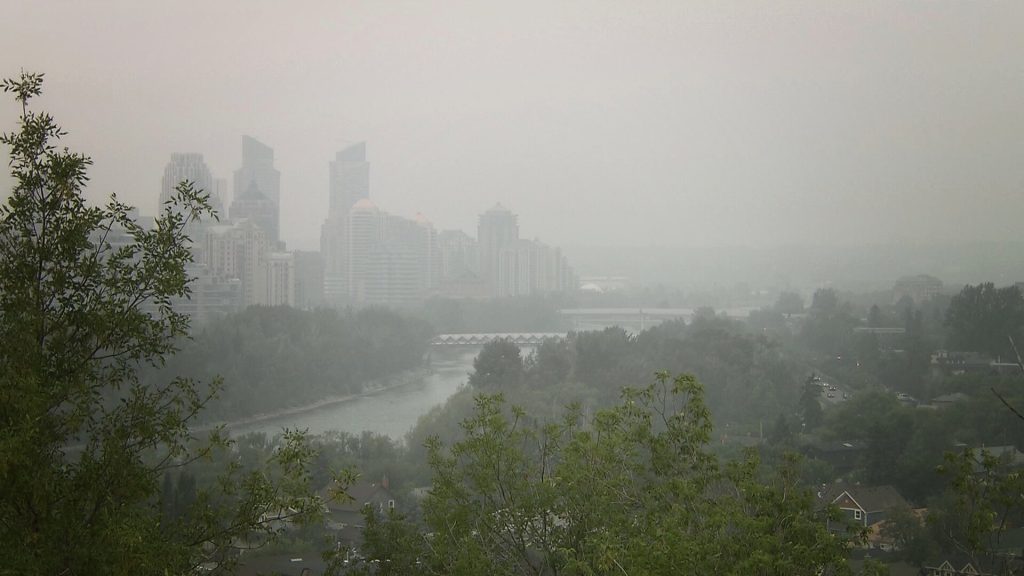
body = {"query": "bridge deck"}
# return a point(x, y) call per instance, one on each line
point(518, 338)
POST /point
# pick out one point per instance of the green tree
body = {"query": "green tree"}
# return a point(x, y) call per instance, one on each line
point(789, 303)
point(499, 366)
point(632, 490)
point(981, 318)
point(392, 546)
point(810, 405)
point(907, 531)
point(551, 364)
point(829, 325)
point(85, 445)
point(985, 501)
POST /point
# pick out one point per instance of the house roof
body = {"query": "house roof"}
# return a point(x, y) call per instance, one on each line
point(1007, 454)
point(869, 498)
point(358, 495)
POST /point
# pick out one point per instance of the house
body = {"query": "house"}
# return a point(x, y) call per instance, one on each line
point(946, 568)
point(1008, 457)
point(950, 362)
point(1003, 558)
point(345, 514)
point(862, 506)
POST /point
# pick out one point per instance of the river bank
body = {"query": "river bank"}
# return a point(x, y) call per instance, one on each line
point(371, 388)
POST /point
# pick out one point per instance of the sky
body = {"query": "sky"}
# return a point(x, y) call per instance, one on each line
point(639, 123)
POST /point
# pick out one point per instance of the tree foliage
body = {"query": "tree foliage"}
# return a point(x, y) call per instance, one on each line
point(85, 445)
point(499, 366)
point(276, 357)
point(828, 328)
point(981, 318)
point(632, 490)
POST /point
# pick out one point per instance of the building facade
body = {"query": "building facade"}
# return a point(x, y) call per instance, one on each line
point(257, 189)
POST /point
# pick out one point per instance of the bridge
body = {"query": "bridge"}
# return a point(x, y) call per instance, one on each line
point(517, 338)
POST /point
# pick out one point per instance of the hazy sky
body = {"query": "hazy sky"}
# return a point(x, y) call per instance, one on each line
point(599, 123)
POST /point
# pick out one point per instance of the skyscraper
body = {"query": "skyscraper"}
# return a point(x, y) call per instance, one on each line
point(349, 179)
point(348, 183)
point(365, 236)
point(253, 205)
point(239, 251)
point(186, 166)
point(497, 231)
point(258, 174)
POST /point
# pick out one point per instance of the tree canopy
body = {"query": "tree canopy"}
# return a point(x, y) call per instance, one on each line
point(632, 489)
point(982, 318)
point(85, 445)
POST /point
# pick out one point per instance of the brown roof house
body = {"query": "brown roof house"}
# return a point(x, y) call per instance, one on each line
point(862, 506)
point(345, 515)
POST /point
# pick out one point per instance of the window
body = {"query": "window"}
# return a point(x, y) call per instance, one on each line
point(857, 514)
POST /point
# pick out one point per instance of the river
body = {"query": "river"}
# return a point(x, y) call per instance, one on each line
point(392, 412)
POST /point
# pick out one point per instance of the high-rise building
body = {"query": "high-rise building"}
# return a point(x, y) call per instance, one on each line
point(239, 251)
point(365, 237)
point(257, 174)
point(279, 280)
point(497, 231)
point(190, 167)
point(459, 260)
point(186, 166)
point(212, 296)
point(530, 267)
point(458, 255)
point(349, 179)
point(348, 183)
point(391, 260)
point(219, 197)
point(256, 207)
point(919, 289)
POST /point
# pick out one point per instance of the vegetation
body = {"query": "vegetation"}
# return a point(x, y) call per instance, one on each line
point(279, 357)
point(982, 318)
point(632, 489)
point(86, 445)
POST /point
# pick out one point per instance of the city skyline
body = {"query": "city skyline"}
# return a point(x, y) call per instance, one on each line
point(368, 256)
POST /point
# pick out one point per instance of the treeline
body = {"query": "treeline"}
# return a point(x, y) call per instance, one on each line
point(630, 489)
point(746, 376)
point(277, 357)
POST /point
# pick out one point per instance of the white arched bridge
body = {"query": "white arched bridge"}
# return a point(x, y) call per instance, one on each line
point(517, 338)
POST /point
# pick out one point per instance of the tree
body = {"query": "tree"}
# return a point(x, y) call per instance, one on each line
point(632, 490)
point(85, 445)
point(909, 536)
point(810, 405)
point(981, 318)
point(825, 300)
point(829, 325)
point(789, 303)
point(499, 366)
point(986, 502)
point(392, 546)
